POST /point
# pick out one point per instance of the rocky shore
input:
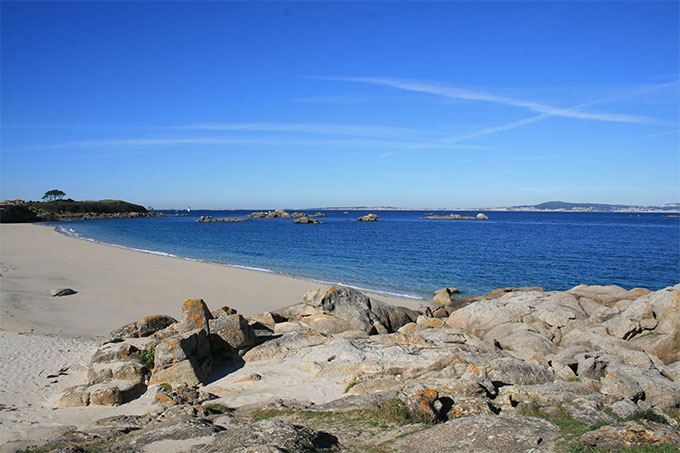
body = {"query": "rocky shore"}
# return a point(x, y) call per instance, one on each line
point(521, 369)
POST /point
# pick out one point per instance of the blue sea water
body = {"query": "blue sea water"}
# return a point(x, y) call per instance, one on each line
point(403, 255)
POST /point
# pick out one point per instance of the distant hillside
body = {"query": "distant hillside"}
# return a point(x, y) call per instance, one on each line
point(39, 211)
point(599, 207)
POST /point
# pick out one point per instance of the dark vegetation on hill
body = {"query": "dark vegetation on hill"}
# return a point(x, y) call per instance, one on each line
point(57, 210)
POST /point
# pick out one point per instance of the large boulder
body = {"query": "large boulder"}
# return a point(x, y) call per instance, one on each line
point(112, 393)
point(443, 296)
point(195, 315)
point(230, 332)
point(358, 311)
point(183, 359)
point(146, 326)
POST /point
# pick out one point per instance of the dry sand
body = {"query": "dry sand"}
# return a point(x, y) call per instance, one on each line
point(115, 285)
point(41, 335)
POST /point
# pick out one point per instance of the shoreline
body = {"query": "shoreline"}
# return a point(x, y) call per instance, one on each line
point(116, 285)
point(371, 291)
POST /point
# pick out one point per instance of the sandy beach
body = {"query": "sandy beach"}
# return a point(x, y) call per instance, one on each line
point(41, 335)
point(115, 285)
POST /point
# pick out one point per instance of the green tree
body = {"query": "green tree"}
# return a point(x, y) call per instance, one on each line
point(54, 194)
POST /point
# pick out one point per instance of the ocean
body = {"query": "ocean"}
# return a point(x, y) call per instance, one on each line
point(403, 255)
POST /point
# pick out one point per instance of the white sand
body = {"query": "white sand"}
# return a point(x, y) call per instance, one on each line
point(40, 334)
point(116, 285)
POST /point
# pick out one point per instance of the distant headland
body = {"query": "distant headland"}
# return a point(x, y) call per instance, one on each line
point(19, 211)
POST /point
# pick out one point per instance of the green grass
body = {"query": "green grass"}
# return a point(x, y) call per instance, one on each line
point(648, 415)
point(674, 413)
point(148, 356)
point(573, 379)
point(218, 408)
point(570, 427)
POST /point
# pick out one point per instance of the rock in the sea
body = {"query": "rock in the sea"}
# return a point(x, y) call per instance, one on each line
point(450, 217)
point(357, 310)
point(62, 292)
point(481, 216)
point(224, 219)
point(306, 220)
point(368, 218)
point(277, 214)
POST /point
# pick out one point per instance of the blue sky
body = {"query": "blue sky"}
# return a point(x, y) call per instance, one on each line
point(277, 104)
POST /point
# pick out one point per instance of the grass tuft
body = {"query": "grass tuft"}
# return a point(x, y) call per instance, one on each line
point(148, 356)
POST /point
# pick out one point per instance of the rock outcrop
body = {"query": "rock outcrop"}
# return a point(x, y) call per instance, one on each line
point(160, 350)
point(479, 216)
point(499, 374)
point(368, 218)
point(208, 218)
point(443, 296)
point(306, 220)
point(277, 214)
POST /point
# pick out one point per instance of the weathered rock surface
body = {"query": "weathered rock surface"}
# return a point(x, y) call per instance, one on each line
point(195, 315)
point(183, 359)
point(356, 311)
point(586, 355)
point(621, 436)
point(484, 433)
point(443, 296)
point(230, 332)
point(146, 326)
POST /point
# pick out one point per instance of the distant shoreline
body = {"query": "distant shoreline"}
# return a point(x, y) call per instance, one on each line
point(594, 211)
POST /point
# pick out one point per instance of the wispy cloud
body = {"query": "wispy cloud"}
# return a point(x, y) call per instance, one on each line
point(662, 134)
point(384, 155)
point(459, 93)
point(271, 142)
point(534, 119)
point(309, 128)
